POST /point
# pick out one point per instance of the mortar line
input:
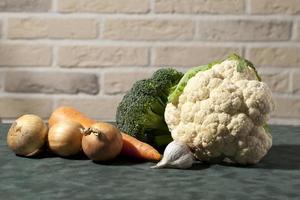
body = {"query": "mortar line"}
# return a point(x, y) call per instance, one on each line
point(153, 57)
point(294, 30)
point(54, 57)
point(4, 28)
point(54, 7)
point(273, 121)
point(272, 70)
point(196, 30)
point(248, 8)
point(286, 95)
point(291, 81)
point(55, 103)
point(152, 16)
point(152, 6)
point(149, 54)
point(101, 76)
point(77, 70)
point(2, 81)
point(284, 121)
point(101, 28)
point(108, 69)
point(54, 95)
point(157, 43)
point(242, 51)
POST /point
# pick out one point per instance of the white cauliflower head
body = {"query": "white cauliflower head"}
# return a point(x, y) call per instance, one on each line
point(221, 113)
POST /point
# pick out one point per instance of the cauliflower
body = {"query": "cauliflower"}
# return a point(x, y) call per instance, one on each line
point(220, 112)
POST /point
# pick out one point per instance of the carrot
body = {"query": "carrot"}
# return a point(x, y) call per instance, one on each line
point(69, 113)
point(132, 147)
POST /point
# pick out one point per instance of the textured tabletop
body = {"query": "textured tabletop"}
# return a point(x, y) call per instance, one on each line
point(50, 177)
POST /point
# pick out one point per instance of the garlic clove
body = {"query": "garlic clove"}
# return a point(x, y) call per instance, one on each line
point(176, 155)
point(160, 164)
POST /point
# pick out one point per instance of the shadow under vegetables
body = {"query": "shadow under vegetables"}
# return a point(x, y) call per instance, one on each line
point(282, 157)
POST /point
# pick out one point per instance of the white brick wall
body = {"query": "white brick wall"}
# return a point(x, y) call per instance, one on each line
point(88, 53)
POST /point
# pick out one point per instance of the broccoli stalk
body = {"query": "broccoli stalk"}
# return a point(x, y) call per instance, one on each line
point(155, 128)
point(153, 121)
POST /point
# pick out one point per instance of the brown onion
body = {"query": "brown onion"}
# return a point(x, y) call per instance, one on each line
point(64, 138)
point(27, 135)
point(102, 142)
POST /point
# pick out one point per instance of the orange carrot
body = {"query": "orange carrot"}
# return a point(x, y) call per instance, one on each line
point(69, 113)
point(132, 147)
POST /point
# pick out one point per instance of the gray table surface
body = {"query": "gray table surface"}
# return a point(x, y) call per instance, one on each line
point(51, 177)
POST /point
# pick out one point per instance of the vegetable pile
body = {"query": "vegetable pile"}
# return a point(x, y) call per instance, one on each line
point(213, 113)
point(219, 110)
point(72, 133)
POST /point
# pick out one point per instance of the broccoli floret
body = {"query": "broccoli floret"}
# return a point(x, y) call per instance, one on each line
point(141, 111)
point(166, 79)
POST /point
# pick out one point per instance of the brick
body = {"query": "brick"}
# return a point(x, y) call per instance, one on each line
point(189, 56)
point(104, 6)
point(56, 28)
point(25, 5)
point(98, 56)
point(0, 29)
point(200, 6)
point(296, 82)
point(275, 57)
point(121, 82)
point(25, 55)
point(277, 81)
point(281, 108)
point(14, 107)
point(100, 108)
point(243, 30)
point(275, 6)
point(148, 29)
point(51, 82)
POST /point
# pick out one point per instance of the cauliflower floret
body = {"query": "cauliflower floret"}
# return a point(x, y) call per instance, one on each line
point(226, 98)
point(254, 146)
point(228, 69)
point(221, 113)
point(258, 100)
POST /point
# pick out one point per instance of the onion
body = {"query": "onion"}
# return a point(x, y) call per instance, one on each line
point(102, 142)
point(27, 135)
point(64, 138)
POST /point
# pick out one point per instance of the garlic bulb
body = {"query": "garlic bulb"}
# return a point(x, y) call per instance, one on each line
point(176, 155)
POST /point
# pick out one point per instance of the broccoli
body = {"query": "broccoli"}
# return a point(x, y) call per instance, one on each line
point(141, 111)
